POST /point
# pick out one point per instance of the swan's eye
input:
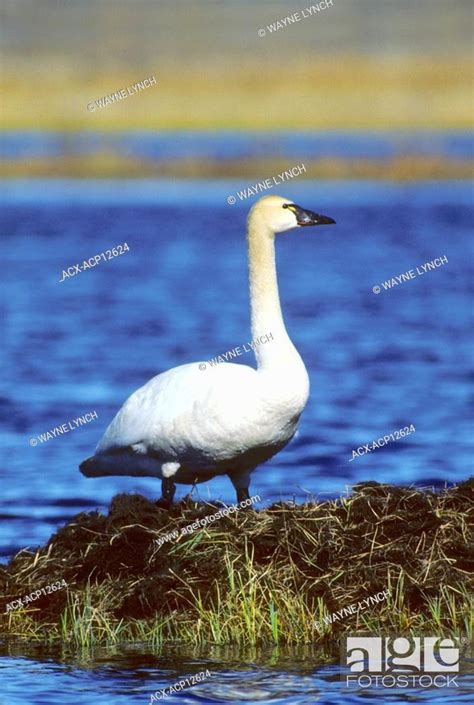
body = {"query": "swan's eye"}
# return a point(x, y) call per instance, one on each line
point(285, 205)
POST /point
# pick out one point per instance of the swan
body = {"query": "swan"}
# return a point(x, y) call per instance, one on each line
point(189, 424)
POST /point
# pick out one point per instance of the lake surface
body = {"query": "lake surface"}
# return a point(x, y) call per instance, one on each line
point(377, 362)
point(129, 675)
point(225, 144)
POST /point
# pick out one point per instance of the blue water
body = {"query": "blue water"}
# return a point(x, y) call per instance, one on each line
point(129, 675)
point(377, 363)
point(233, 145)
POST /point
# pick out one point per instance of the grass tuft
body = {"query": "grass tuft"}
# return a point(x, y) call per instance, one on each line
point(266, 577)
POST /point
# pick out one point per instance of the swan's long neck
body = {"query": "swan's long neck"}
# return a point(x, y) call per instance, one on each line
point(266, 315)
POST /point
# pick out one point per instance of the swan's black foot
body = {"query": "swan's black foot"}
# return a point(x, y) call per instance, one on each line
point(241, 482)
point(168, 488)
point(242, 494)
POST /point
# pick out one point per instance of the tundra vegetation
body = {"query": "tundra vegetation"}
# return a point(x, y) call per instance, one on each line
point(253, 577)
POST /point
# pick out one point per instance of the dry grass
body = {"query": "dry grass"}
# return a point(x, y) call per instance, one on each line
point(306, 91)
point(255, 577)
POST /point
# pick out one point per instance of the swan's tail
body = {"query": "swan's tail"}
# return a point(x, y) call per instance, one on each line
point(125, 463)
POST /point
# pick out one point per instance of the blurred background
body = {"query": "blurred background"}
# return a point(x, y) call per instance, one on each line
point(374, 98)
point(362, 67)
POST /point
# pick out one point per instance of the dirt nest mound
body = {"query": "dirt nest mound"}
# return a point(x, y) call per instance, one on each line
point(318, 556)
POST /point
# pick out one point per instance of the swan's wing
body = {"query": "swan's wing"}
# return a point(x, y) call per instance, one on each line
point(183, 408)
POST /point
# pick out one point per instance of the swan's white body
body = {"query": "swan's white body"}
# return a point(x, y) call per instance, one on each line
point(188, 424)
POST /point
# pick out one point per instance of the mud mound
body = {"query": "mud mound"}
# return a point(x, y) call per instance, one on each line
point(337, 552)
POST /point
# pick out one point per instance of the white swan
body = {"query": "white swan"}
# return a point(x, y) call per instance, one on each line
point(187, 425)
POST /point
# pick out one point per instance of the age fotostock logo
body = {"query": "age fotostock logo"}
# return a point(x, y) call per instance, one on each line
point(400, 662)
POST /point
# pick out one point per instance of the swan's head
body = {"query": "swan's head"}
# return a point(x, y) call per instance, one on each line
point(280, 214)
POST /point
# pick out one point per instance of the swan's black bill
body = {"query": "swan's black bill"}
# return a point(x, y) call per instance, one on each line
point(304, 217)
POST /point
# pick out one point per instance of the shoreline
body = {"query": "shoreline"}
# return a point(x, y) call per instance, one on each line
point(104, 165)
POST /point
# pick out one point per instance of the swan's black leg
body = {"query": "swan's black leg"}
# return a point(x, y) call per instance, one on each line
point(242, 493)
point(168, 488)
point(241, 482)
